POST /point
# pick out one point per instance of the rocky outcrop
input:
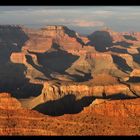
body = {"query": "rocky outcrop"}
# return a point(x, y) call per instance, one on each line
point(117, 108)
point(132, 50)
point(41, 40)
point(38, 44)
point(135, 73)
point(53, 31)
point(135, 88)
point(8, 103)
point(18, 58)
point(52, 92)
point(102, 60)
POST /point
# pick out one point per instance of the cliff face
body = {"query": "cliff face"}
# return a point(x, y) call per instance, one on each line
point(52, 92)
point(54, 31)
point(41, 41)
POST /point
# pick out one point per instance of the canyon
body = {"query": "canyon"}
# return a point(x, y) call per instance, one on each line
point(54, 81)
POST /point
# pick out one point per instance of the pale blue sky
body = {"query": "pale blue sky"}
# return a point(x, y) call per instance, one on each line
point(84, 19)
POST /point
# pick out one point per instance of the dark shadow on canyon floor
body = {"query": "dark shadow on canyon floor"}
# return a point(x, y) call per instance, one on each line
point(69, 105)
point(54, 60)
point(136, 58)
point(19, 87)
point(121, 63)
point(65, 105)
point(118, 50)
point(134, 79)
point(119, 96)
point(80, 78)
point(123, 44)
point(129, 37)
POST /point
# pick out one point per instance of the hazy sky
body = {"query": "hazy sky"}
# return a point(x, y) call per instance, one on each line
point(84, 19)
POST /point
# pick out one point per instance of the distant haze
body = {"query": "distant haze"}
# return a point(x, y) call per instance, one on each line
point(83, 19)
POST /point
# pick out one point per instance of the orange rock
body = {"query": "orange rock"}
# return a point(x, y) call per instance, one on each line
point(112, 89)
point(7, 102)
point(18, 57)
point(115, 108)
point(135, 73)
point(135, 88)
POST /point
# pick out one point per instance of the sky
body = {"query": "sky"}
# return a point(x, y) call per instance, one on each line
point(83, 19)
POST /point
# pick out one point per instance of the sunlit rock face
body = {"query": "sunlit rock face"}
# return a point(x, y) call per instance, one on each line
point(53, 31)
point(18, 58)
point(9, 103)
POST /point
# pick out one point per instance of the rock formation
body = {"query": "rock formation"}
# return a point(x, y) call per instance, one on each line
point(57, 72)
